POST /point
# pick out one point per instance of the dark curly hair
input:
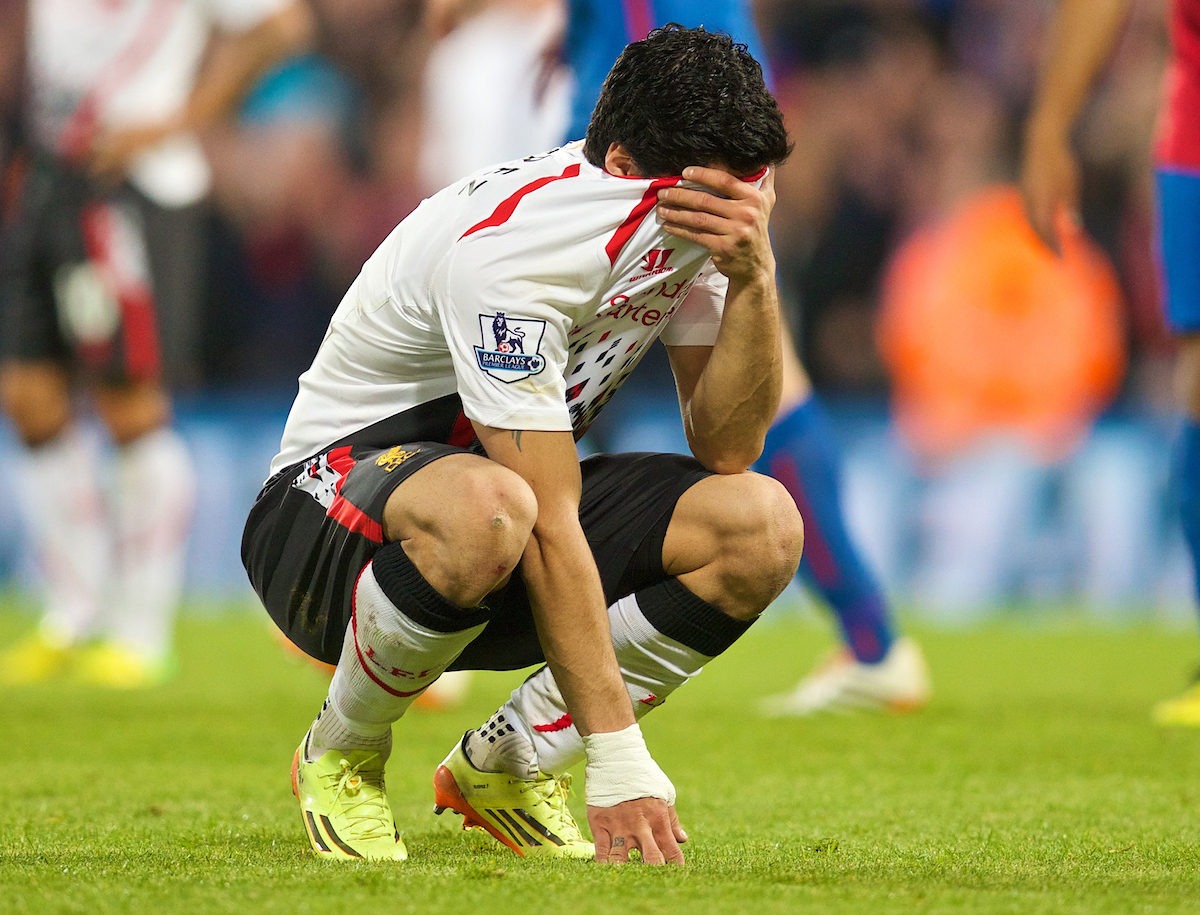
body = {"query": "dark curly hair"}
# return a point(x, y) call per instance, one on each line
point(685, 97)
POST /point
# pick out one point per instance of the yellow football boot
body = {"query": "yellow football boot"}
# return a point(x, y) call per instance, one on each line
point(1181, 712)
point(34, 659)
point(113, 666)
point(344, 805)
point(530, 816)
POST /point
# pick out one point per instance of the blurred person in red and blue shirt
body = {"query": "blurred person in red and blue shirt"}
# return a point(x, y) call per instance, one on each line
point(1082, 37)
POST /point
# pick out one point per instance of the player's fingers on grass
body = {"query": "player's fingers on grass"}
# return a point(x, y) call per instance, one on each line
point(677, 830)
point(618, 850)
point(603, 842)
point(647, 836)
point(665, 843)
point(651, 853)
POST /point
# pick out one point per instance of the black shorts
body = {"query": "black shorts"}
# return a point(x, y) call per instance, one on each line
point(316, 525)
point(102, 280)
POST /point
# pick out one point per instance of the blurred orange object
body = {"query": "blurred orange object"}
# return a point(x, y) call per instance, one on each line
point(287, 645)
point(985, 331)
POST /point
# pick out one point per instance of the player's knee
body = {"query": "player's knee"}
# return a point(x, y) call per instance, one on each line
point(778, 529)
point(502, 510)
point(37, 401)
point(764, 553)
point(133, 411)
point(508, 509)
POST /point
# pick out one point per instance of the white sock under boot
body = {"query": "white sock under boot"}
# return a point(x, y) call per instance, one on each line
point(662, 636)
point(154, 497)
point(402, 636)
point(63, 508)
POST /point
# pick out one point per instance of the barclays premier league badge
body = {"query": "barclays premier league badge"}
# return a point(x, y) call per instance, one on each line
point(510, 347)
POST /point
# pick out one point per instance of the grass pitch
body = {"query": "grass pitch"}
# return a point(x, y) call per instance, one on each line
point(1033, 783)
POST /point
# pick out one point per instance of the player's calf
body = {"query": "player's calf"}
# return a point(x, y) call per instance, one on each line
point(402, 636)
point(458, 528)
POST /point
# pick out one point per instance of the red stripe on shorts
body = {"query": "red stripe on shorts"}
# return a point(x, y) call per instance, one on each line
point(342, 510)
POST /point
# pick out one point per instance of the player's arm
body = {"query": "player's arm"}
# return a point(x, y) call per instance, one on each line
point(572, 622)
point(234, 61)
point(1082, 35)
point(729, 392)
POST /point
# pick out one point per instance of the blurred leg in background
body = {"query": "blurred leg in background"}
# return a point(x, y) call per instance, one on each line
point(877, 669)
point(1178, 198)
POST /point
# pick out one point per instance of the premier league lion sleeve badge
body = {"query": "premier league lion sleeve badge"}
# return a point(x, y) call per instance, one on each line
point(510, 349)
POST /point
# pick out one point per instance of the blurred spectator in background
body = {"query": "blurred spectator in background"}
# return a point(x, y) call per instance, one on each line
point(321, 164)
point(494, 90)
point(1083, 34)
point(1000, 356)
point(100, 267)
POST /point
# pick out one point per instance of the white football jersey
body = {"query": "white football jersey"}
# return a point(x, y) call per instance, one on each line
point(520, 297)
point(118, 63)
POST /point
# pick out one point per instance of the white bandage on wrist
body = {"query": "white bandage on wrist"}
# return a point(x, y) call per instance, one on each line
point(620, 769)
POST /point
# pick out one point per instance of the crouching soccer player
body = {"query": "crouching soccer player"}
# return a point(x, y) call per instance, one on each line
point(428, 510)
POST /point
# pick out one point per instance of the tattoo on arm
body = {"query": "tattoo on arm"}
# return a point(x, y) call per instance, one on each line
point(517, 433)
point(618, 841)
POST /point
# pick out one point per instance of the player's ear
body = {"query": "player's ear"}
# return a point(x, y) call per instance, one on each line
point(617, 161)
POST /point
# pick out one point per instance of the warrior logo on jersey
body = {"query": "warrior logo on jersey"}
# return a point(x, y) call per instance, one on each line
point(510, 346)
point(653, 263)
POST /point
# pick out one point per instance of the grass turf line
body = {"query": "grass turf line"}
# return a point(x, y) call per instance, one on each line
point(1034, 783)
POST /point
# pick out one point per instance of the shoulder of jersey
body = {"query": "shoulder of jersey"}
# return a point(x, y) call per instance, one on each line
point(557, 195)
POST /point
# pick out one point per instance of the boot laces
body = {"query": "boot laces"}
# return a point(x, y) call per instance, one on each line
point(553, 793)
point(363, 799)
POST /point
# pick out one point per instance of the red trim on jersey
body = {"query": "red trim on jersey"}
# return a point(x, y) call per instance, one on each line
point(626, 229)
point(341, 463)
point(362, 660)
point(342, 510)
point(639, 18)
point(463, 433)
point(503, 213)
